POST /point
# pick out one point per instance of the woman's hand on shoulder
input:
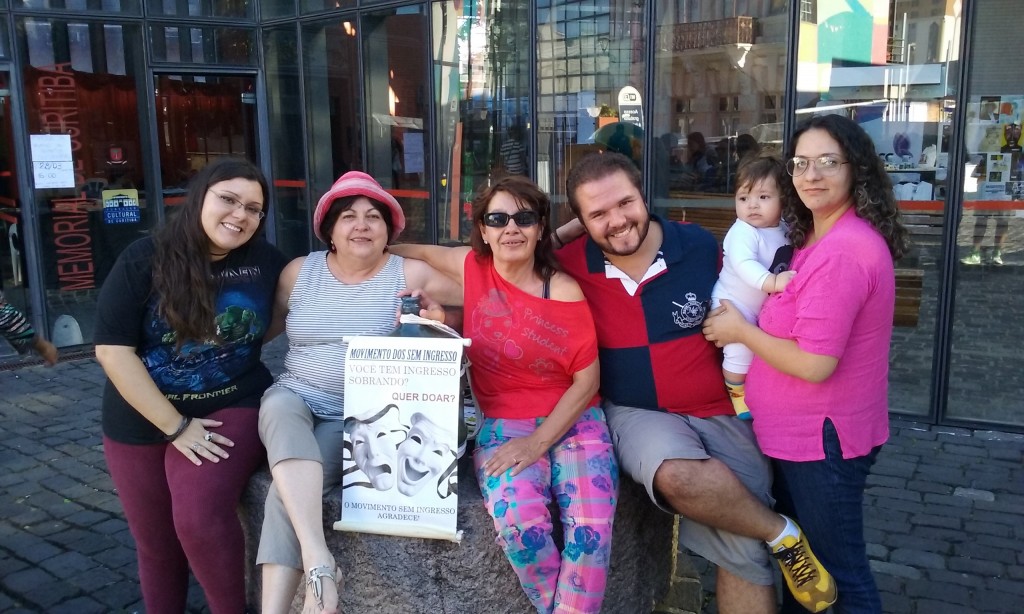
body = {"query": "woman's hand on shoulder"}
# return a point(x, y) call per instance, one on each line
point(564, 288)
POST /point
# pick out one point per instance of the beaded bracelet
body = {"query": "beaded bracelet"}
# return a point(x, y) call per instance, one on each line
point(185, 421)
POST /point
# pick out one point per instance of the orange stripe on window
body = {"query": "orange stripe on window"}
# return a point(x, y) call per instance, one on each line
point(983, 205)
point(421, 194)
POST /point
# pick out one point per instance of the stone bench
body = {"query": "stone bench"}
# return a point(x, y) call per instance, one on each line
point(404, 575)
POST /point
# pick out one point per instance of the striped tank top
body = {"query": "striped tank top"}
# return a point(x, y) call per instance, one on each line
point(323, 310)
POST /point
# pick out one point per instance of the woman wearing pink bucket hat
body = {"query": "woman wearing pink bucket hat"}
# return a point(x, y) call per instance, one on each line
point(350, 289)
point(357, 183)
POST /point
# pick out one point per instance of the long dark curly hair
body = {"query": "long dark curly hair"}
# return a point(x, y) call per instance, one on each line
point(528, 196)
point(182, 276)
point(872, 193)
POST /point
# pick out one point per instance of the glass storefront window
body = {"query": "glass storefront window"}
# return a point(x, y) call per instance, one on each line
point(591, 72)
point(396, 98)
point(317, 6)
point(334, 133)
point(893, 70)
point(200, 118)
point(720, 75)
point(203, 45)
point(292, 198)
point(270, 9)
point(233, 9)
point(990, 238)
point(125, 7)
point(81, 94)
point(481, 81)
point(5, 45)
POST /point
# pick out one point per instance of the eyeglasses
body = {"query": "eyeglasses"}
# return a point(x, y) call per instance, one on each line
point(230, 202)
point(827, 165)
point(499, 219)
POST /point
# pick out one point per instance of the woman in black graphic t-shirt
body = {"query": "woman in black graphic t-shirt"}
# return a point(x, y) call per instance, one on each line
point(180, 323)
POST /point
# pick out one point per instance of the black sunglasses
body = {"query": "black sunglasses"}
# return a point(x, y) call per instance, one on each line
point(499, 219)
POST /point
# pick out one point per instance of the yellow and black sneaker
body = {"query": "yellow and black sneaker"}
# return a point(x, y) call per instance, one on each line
point(808, 581)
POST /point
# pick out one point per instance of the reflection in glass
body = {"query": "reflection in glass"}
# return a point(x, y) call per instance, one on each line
point(892, 69)
point(207, 8)
point(984, 382)
point(206, 45)
point(125, 7)
point(199, 119)
point(720, 75)
point(590, 64)
point(482, 86)
point(395, 94)
point(276, 8)
point(288, 158)
point(5, 47)
point(333, 96)
point(314, 6)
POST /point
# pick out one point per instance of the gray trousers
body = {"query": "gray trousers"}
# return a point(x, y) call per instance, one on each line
point(289, 430)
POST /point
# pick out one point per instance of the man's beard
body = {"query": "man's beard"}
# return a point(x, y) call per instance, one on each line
point(606, 246)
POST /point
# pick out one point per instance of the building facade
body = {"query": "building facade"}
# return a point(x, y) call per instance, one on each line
point(107, 107)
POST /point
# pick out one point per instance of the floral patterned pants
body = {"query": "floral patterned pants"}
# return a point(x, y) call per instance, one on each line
point(581, 474)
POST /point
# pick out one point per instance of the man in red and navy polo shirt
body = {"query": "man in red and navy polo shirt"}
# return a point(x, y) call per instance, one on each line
point(648, 282)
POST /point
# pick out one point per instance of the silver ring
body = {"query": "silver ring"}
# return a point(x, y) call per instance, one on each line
point(208, 436)
point(195, 447)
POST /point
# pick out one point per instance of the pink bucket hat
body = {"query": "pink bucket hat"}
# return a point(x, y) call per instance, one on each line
point(355, 183)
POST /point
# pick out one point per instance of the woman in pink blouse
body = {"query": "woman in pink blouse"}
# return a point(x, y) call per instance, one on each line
point(818, 386)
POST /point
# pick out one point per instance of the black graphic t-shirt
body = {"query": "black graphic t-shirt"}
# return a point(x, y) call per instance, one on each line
point(201, 376)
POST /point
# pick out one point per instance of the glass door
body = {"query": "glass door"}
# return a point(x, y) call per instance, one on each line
point(396, 94)
point(201, 118)
point(83, 113)
point(984, 385)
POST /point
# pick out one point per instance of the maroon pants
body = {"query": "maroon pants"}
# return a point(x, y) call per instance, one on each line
point(182, 515)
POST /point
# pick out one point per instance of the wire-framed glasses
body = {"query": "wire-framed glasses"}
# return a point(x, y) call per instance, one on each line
point(827, 164)
point(230, 202)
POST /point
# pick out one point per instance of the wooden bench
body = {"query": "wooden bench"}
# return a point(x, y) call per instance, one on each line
point(909, 282)
point(926, 227)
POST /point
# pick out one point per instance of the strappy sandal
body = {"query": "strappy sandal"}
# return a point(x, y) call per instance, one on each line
point(314, 580)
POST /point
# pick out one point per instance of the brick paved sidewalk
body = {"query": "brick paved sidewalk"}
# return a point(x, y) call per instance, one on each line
point(944, 510)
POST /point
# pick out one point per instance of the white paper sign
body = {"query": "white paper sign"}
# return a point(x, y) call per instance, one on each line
point(52, 165)
point(51, 147)
point(413, 147)
point(402, 411)
point(53, 174)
